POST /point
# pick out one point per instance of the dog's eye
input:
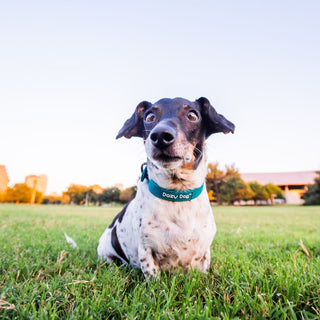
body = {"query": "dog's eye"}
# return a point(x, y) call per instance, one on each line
point(192, 116)
point(151, 117)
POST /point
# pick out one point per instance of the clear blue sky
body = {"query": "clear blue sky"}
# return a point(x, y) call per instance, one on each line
point(71, 72)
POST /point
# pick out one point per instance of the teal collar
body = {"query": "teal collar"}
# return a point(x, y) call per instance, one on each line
point(170, 195)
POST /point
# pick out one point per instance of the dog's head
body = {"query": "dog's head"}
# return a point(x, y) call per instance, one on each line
point(174, 130)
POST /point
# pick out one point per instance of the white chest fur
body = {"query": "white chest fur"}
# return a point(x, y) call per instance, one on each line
point(178, 233)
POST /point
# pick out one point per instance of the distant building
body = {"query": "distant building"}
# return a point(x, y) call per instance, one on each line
point(4, 180)
point(39, 183)
point(292, 184)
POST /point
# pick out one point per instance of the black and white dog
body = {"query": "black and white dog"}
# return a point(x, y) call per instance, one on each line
point(169, 224)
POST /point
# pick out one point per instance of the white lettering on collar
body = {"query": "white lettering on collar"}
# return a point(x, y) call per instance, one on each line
point(180, 196)
point(168, 195)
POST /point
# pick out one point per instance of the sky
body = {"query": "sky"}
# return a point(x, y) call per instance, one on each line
point(71, 73)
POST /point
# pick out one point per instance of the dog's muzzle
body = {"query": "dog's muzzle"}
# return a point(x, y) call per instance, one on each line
point(163, 136)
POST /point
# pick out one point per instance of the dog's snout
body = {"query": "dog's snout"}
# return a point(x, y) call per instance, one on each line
point(163, 137)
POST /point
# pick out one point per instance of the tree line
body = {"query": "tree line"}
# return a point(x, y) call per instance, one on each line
point(20, 193)
point(75, 194)
point(83, 195)
point(225, 186)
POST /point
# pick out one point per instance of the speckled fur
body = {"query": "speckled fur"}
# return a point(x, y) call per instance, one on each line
point(158, 234)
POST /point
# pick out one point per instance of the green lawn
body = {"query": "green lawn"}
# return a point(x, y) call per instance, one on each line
point(265, 264)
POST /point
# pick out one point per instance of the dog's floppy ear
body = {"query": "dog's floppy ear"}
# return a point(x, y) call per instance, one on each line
point(134, 127)
point(214, 122)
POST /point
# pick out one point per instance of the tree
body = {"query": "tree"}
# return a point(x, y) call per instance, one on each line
point(77, 193)
point(127, 194)
point(21, 193)
point(235, 189)
point(245, 192)
point(65, 199)
point(312, 196)
point(216, 178)
point(273, 192)
point(259, 192)
point(90, 196)
point(109, 195)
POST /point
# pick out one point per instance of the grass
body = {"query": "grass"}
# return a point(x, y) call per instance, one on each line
point(265, 264)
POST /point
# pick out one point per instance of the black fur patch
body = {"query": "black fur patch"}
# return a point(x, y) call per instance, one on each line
point(116, 260)
point(116, 245)
point(119, 216)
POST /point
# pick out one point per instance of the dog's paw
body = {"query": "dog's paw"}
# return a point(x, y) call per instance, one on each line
point(149, 269)
point(147, 263)
point(151, 274)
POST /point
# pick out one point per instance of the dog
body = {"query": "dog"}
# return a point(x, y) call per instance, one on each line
point(169, 224)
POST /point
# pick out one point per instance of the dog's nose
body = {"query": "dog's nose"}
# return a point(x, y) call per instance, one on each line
point(163, 137)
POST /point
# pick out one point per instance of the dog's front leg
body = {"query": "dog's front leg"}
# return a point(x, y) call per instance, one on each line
point(147, 263)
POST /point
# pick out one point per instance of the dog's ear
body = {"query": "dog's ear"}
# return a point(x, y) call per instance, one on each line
point(214, 122)
point(134, 127)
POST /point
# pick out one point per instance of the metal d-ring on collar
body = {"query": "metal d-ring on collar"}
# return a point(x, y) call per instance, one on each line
point(168, 194)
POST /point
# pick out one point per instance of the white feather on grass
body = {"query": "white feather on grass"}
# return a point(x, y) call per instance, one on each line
point(70, 241)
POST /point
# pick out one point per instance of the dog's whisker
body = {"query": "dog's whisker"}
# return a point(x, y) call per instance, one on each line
point(197, 152)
